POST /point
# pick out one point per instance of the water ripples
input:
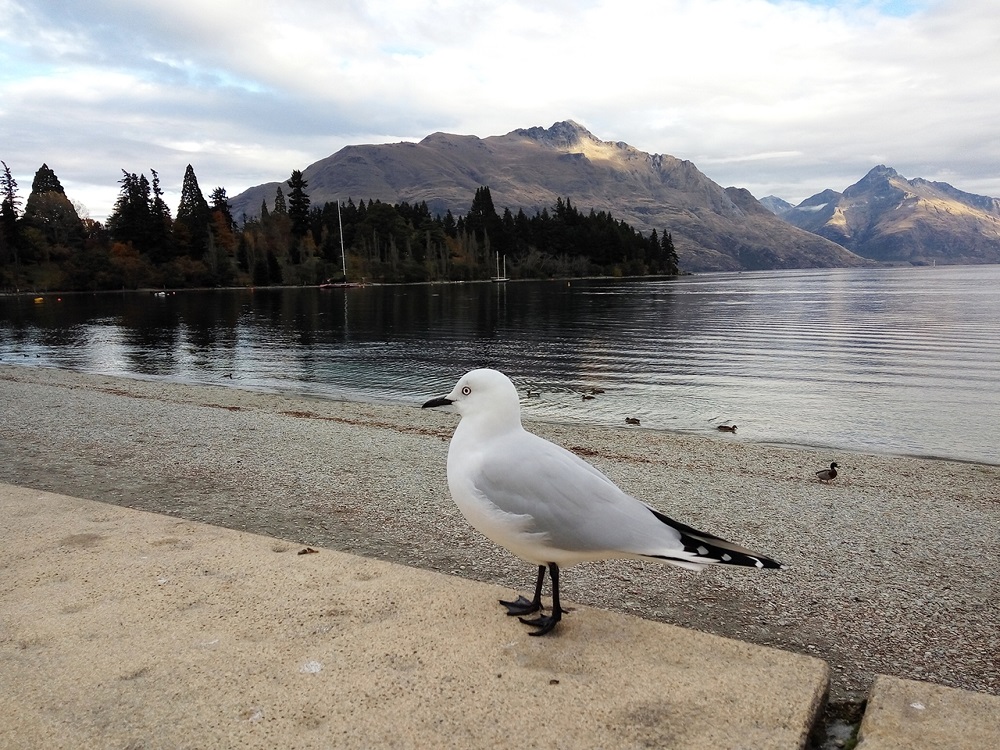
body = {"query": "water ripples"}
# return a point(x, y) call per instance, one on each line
point(888, 360)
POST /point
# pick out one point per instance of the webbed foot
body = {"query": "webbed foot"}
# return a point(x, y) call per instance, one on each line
point(521, 606)
point(544, 623)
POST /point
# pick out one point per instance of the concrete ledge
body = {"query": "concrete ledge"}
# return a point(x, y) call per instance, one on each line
point(906, 714)
point(124, 628)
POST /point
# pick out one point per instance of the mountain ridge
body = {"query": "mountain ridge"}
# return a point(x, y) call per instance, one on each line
point(891, 219)
point(714, 228)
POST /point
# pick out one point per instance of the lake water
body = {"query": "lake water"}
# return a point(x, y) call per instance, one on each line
point(901, 361)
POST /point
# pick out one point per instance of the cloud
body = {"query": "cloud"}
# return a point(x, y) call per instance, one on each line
point(779, 96)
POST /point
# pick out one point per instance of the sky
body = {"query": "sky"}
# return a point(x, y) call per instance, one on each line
point(781, 97)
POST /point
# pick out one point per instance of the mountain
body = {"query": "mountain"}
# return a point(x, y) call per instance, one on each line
point(713, 229)
point(775, 205)
point(891, 219)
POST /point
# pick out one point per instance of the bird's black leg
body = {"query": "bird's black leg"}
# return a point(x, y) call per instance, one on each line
point(545, 623)
point(522, 606)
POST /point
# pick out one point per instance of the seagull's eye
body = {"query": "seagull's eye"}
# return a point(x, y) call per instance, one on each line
point(466, 391)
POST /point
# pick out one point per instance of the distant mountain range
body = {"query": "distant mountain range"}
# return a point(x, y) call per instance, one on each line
point(714, 228)
point(891, 219)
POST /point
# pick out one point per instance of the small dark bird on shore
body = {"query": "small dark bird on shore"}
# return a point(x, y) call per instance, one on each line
point(826, 475)
point(726, 428)
point(631, 420)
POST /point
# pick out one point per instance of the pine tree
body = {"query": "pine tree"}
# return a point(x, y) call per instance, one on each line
point(160, 224)
point(220, 204)
point(130, 221)
point(298, 205)
point(194, 218)
point(46, 182)
point(56, 224)
point(669, 253)
point(279, 202)
point(10, 203)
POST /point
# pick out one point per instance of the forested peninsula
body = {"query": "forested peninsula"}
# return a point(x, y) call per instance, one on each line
point(47, 246)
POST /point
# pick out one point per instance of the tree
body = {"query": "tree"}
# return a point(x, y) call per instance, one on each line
point(279, 202)
point(55, 225)
point(194, 217)
point(46, 182)
point(160, 225)
point(669, 253)
point(298, 205)
point(482, 217)
point(222, 242)
point(130, 221)
point(10, 203)
point(220, 204)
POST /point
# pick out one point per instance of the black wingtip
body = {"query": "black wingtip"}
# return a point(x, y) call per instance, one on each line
point(715, 549)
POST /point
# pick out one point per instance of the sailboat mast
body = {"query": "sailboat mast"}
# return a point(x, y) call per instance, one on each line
point(343, 255)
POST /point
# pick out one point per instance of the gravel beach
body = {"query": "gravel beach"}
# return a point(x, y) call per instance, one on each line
point(892, 568)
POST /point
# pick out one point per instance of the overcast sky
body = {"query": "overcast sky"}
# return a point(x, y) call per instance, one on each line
point(781, 97)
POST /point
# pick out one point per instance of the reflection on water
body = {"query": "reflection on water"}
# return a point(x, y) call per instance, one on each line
point(888, 360)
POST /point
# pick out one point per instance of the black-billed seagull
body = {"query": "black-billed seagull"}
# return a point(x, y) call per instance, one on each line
point(549, 506)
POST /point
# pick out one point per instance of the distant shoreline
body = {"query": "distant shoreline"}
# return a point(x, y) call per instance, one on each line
point(361, 284)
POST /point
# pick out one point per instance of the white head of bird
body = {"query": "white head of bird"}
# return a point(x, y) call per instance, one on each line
point(487, 401)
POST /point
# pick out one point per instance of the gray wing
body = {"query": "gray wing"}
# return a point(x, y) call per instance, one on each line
point(576, 506)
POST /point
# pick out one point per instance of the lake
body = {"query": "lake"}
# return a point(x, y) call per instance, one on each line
point(889, 360)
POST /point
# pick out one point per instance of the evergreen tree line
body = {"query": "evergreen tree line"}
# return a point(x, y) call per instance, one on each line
point(47, 246)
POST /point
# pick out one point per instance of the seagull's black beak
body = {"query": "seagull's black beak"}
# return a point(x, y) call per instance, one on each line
point(437, 402)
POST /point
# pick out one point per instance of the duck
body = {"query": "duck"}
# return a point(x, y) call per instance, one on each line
point(632, 420)
point(827, 475)
point(726, 428)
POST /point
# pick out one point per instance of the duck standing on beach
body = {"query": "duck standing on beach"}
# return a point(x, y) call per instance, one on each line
point(550, 507)
point(827, 475)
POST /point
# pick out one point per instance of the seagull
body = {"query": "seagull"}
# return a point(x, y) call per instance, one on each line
point(550, 507)
point(826, 475)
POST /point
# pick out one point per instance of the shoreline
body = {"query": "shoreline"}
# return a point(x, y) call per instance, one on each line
point(308, 395)
point(890, 568)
